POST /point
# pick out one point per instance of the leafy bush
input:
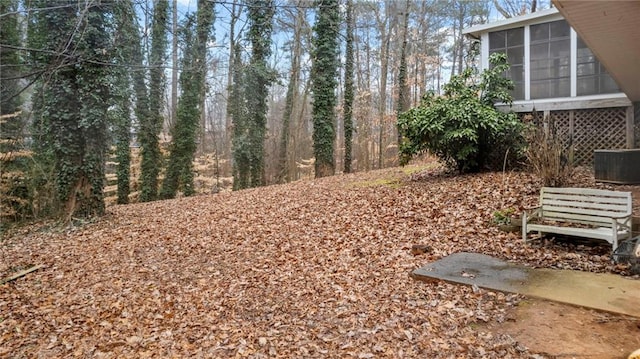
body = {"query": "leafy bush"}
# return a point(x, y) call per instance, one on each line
point(463, 128)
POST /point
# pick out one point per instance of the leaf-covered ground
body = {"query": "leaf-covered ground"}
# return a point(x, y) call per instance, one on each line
point(309, 269)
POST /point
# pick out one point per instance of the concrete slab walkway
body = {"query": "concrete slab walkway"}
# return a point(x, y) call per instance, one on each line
point(607, 292)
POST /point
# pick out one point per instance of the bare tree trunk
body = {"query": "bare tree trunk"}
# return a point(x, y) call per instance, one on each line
point(283, 175)
point(301, 140)
point(366, 130)
point(460, 41)
point(385, 28)
point(232, 43)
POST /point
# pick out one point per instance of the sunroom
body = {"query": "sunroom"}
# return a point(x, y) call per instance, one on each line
point(557, 76)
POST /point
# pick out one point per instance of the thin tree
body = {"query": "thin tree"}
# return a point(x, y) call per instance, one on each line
point(151, 124)
point(386, 26)
point(404, 96)
point(511, 8)
point(174, 63)
point(291, 97)
point(139, 72)
point(465, 13)
point(348, 89)
point(43, 182)
point(324, 73)
point(14, 194)
point(232, 48)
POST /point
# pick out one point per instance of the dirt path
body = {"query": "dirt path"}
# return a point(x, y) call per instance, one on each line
point(564, 331)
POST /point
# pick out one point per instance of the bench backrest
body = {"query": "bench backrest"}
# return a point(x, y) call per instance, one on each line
point(584, 205)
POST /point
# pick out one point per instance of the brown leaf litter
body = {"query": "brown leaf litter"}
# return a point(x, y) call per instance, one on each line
point(314, 268)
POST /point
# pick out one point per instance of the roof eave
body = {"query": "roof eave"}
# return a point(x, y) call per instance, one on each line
point(535, 17)
point(610, 29)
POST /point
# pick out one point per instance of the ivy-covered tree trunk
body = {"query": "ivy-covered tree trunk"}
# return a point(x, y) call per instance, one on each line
point(204, 33)
point(94, 81)
point(237, 110)
point(74, 101)
point(122, 124)
point(324, 77)
point(179, 169)
point(193, 89)
point(258, 79)
point(126, 39)
point(228, 133)
point(403, 87)
point(348, 90)
point(151, 125)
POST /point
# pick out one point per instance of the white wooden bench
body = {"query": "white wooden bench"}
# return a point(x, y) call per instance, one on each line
point(581, 212)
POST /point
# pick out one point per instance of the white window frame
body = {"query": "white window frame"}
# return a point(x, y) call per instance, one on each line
point(484, 64)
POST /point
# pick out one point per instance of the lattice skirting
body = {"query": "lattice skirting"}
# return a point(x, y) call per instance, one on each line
point(585, 131)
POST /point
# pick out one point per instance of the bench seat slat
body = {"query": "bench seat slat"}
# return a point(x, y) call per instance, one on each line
point(577, 221)
point(551, 215)
point(572, 198)
point(583, 211)
point(591, 192)
point(597, 233)
point(619, 208)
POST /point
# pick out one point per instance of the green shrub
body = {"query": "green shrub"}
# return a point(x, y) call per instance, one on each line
point(463, 128)
point(503, 216)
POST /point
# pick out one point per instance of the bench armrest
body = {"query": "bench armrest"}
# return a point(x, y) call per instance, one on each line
point(531, 212)
point(621, 221)
point(622, 216)
point(527, 215)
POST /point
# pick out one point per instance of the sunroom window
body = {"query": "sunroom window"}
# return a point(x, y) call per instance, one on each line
point(591, 77)
point(511, 42)
point(550, 52)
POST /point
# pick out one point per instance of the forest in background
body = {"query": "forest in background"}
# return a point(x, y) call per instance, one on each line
point(137, 90)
